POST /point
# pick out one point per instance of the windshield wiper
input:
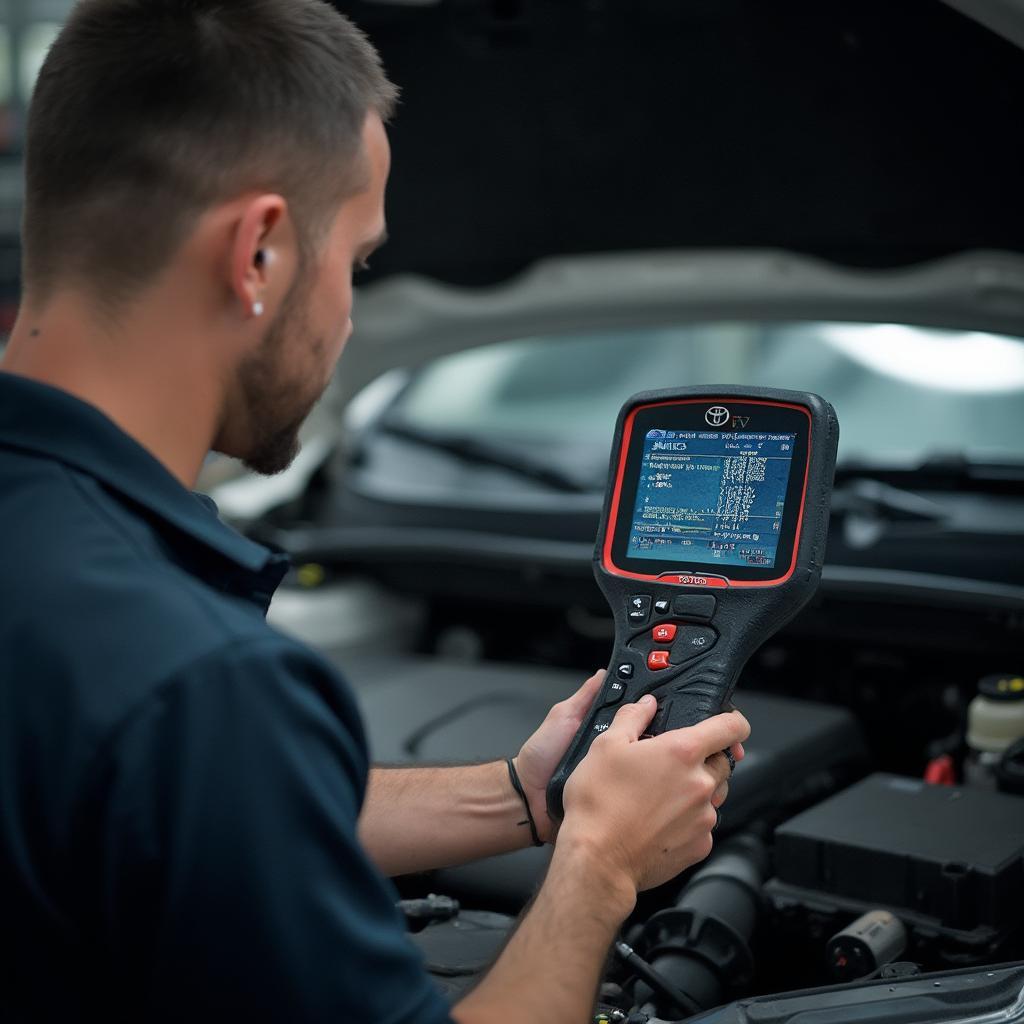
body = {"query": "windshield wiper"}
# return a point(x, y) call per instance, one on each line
point(958, 467)
point(872, 498)
point(869, 510)
point(485, 453)
point(940, 471)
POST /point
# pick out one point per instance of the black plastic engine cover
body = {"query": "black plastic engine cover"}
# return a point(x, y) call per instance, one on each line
point(943, 858)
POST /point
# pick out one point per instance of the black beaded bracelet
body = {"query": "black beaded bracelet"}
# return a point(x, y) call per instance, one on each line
point(518, 787)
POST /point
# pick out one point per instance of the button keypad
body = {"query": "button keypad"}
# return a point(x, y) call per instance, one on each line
point(668, 645)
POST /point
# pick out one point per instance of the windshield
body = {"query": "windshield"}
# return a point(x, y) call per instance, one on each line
point(902, 393)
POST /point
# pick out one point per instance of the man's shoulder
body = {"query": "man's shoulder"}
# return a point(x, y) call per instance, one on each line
point(90, 577)
point(59, 529)
point(94, 618)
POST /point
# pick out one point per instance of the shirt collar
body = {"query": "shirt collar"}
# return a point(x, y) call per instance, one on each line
point(42, 419)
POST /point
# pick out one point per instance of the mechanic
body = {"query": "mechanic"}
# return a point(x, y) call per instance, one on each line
point(188, 822)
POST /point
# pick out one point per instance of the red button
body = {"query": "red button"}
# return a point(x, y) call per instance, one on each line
point(657, 659)
point(664, 634)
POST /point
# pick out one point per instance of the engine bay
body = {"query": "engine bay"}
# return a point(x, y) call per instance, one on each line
point(837, 869)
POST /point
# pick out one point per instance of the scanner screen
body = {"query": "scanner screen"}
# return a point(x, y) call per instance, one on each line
point(711, 498)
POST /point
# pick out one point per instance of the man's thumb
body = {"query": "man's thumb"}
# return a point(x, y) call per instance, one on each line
point(581, 700)
point(632, 719)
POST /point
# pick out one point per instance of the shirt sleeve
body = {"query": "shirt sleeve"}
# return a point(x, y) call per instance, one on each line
point(232, 878)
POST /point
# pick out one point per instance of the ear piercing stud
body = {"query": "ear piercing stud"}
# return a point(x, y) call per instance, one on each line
point(257, 309)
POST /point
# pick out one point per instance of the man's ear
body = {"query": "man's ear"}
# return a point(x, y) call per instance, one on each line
point(260, 235)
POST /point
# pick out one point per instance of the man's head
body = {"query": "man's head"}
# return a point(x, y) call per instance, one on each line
point(245, 137)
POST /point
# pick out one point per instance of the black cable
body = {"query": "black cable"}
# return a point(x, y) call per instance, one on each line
point(656, 979)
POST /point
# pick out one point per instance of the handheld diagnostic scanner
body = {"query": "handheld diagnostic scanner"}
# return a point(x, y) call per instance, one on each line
point(711, 538)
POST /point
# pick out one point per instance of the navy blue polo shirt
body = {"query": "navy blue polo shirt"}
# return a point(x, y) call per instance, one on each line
point(179, 784)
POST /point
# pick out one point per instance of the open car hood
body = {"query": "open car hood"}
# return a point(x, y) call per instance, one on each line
point(407, 320)
point(1003, 16)
point(871, 134)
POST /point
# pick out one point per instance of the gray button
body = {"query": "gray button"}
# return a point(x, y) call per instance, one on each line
point(694, 606)
point(614, 692)
point(692, 642)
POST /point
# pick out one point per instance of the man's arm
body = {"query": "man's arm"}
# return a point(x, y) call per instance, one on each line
point(222, 821)
point(551, 968)
point(637, 813)
point(416, 819)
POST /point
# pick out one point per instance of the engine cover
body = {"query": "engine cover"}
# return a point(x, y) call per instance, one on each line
point(945, 859)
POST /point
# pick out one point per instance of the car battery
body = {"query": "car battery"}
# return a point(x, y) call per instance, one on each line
point(947, 860)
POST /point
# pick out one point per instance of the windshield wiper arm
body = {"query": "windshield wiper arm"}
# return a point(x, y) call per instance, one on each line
point(485, 453)
point(939, 471)
point(959, 467)
point(879, 500)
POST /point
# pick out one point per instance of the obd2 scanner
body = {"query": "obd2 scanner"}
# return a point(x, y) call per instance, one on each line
point(712, 537)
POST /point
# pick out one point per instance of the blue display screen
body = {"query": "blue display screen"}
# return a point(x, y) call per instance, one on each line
point(705, 497)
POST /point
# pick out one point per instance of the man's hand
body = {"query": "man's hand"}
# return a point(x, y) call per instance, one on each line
point(540, 754)
point(648, 807)
point(637, 812)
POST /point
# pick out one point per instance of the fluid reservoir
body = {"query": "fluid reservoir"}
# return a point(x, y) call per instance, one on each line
point(995, 720)
point(873, 940)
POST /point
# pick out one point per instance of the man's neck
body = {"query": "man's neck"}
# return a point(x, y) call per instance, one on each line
point(142, 373)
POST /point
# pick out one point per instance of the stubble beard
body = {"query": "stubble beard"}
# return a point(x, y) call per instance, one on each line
point(277, 411)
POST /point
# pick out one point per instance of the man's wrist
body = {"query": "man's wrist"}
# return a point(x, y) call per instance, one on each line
point(517, 785)
point(536, 804)
point(585, 858)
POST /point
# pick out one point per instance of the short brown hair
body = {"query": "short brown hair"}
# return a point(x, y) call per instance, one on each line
point(147, 112)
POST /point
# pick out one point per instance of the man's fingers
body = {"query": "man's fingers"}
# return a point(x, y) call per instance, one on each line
point(632, 719)
point(579, 703)
point(717, 733)
point(718, 765)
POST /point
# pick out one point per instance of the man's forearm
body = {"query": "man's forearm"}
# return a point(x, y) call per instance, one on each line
point(416, 819)
point(550, 969)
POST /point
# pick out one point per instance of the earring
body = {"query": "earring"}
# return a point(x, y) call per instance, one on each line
point(257, 309)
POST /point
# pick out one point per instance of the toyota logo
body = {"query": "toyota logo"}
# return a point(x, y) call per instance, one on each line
point(716, 415)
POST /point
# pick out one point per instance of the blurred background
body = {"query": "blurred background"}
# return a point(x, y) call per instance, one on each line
point(593, 197)
point(867, 132)
point(27, 27)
